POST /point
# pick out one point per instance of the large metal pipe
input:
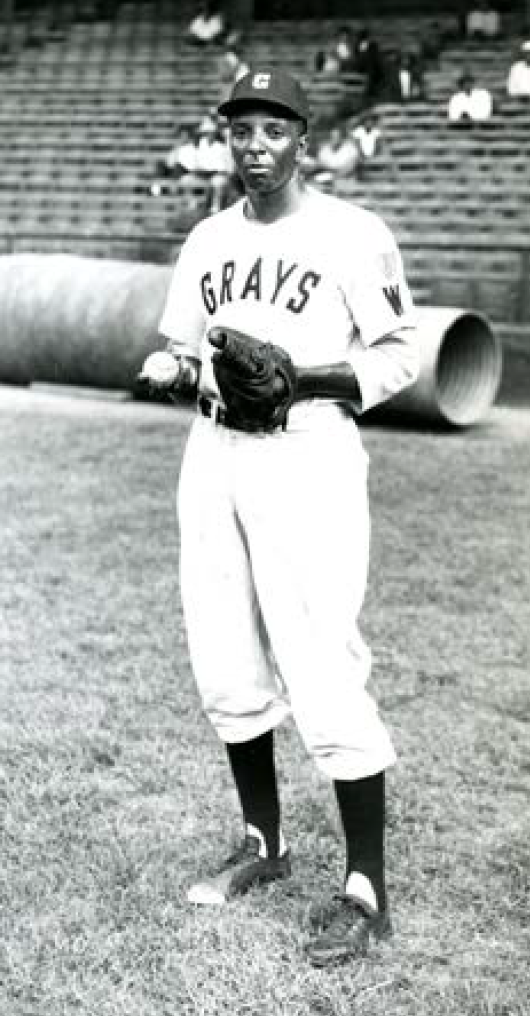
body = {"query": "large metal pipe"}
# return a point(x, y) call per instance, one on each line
point(88, 321)
point(460, 368)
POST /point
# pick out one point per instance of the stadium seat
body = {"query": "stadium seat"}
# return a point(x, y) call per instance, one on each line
point(81, 132)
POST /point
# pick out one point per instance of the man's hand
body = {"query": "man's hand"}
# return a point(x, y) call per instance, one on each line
point(160, 370)
point(167, 374)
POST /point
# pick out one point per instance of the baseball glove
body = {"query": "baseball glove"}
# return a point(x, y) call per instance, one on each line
point(257, 380)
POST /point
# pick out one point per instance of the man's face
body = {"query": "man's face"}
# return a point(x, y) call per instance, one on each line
point(266, 149)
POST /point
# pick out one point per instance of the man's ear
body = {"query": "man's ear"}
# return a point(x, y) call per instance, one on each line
point(301, 151)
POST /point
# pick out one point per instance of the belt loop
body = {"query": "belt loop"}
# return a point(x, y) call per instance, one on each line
point(211, 408)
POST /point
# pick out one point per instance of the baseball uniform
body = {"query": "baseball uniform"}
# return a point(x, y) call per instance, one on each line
point(275, 527)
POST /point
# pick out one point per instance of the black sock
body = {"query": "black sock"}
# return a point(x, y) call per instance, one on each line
point(254, 772)
point(362, 810)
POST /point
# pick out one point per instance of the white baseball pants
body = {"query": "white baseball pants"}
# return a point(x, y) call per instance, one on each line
point(274, 561)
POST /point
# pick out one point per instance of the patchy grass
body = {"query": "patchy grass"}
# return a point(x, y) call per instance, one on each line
point(114, 792)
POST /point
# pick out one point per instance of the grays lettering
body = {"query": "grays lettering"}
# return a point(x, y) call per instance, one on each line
point(208, 293)
point(308, 278)
point(281, 278)
point(229, 268)
point(253, 283)
point(272, 282)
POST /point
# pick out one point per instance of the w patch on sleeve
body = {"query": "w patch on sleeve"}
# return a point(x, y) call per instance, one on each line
point(393, 296)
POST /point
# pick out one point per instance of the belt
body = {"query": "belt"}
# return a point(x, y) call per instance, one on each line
point(213, 410)
point(220, 416)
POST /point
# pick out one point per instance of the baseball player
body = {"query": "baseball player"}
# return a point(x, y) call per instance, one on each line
point(272, 499)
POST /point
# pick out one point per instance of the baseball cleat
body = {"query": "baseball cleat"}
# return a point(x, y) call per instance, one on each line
point(242, 870)
point(343, 931)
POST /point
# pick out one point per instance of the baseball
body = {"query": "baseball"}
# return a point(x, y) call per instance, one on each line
point(161, 368)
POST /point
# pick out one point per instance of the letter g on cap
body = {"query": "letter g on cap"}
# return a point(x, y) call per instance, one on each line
point(261, 81)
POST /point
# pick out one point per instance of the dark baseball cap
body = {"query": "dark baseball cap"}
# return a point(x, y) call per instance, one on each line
point(269, 88)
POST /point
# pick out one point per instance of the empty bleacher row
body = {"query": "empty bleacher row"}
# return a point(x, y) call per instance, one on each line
point(84, 117)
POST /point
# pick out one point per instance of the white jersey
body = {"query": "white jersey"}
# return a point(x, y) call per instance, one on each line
point(519, 79)
point(326, 283)
point(477, 104)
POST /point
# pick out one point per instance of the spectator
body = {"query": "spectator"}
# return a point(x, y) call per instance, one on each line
point(368, 61)
point(482, 21)
point(431, 45)
point(405, 77)
point(518, 81)
point(212, 164)
point(337, 156)
point(210, 25)
point(201, 160)
point(179, 161)
point(367, 136)
point(232, 67)
point(339, 56)
point(470, 104)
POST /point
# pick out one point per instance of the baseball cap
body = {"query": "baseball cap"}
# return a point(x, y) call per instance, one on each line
point(270, 88)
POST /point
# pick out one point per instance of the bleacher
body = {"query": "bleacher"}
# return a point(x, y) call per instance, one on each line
point(85, 114)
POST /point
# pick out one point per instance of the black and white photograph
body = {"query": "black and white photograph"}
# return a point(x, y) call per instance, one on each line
point(264, 505)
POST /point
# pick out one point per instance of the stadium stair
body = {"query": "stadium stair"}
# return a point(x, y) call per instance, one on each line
point(84, 117)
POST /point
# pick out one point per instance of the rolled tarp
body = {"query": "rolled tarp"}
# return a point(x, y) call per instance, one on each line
point(91, 322)
point(78, 321)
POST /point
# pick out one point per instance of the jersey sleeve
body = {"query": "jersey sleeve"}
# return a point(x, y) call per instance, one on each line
point(183, 319)
point(385, 368)
point(384, 353)
point(380, 297)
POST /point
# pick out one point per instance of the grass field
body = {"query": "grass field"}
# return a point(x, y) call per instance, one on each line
point(114, 793)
